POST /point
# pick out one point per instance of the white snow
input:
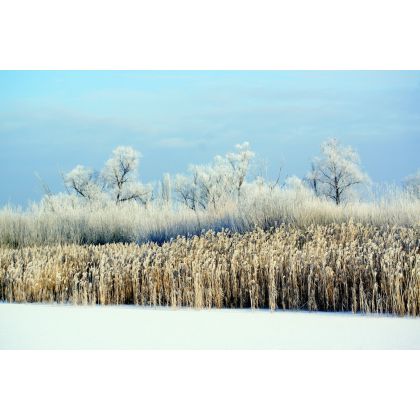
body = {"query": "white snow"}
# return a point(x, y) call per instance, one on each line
point(41, 326)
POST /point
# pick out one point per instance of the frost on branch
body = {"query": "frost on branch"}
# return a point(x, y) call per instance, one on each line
point(186, 191)
point(117, 181)
point(121, 167)
point(219, 181)
point(240, 162)
point(83, 182)
point(119, 176)
point(336, 172)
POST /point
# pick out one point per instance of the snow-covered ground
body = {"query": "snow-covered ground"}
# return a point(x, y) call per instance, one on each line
point(39, 326)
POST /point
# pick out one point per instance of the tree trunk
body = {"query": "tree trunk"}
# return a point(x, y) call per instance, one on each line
point(337, 191)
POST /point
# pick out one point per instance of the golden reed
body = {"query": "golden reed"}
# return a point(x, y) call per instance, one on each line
point(337, 267)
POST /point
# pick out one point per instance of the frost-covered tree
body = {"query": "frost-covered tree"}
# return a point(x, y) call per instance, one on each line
point(120, 176)
point(165, 189)
point(336, 171)
point(117, 181)
point(83, 182)
point(312, 178)
point(412, 184)
point(210, 184)
point(240, 162)
point(186, 190)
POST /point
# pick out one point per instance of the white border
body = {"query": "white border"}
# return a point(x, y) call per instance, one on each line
point(209, 385)
point(322, 34)
point(217, 34)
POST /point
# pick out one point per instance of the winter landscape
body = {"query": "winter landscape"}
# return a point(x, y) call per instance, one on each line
point(233, 251)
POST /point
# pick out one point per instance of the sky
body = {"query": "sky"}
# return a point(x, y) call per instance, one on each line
point(50, 121)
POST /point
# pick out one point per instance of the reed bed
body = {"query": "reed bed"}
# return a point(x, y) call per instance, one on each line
point(334, 267)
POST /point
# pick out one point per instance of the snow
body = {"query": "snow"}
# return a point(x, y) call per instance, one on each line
point(42, 326)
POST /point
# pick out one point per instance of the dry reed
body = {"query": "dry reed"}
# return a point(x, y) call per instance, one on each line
point(335, 267)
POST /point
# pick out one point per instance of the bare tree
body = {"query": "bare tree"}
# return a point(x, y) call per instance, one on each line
point(336, 172)
point(48, 195)
point(45, 187)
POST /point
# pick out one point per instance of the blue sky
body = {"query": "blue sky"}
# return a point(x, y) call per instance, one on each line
point(52, 120)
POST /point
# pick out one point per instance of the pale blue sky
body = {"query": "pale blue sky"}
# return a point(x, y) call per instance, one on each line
point(51, 121)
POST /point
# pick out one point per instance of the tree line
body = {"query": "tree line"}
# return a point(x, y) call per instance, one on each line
point(334, 175)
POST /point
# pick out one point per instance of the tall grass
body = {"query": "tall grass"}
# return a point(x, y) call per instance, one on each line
point(332, 267)
point(72, 222)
